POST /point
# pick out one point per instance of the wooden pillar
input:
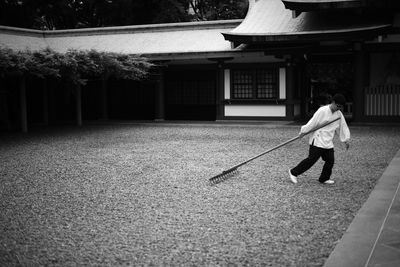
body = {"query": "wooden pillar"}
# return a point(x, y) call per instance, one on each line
point(304, 87)
point(290, 83)
point(45, 99)
point(159, 114)
point(22, 103)
point(4, 109)
point(220, 92)
point(78, 104)
point(360, 76)
point(104, 99)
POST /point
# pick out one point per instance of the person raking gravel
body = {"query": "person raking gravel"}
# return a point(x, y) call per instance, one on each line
point(321, 141)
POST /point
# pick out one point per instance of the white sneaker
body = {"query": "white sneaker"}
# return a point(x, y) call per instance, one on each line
point(329, 182)
point(292, 178)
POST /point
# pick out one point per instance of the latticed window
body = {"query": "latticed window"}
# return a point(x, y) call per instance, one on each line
point(243, 84)
point(255, 84)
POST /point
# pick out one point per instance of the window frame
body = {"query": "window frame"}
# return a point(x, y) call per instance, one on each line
point(274, 70)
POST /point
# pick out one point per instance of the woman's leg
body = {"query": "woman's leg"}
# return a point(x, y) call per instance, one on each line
point(313, 155)
point(329, 157)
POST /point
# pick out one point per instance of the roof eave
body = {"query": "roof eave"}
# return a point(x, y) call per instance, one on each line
point(310, 5)
point(331, 35)
point(197, 55)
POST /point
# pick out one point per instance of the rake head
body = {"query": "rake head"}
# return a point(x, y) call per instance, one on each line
point(223, 176)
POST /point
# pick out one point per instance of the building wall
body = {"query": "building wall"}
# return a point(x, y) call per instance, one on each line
point(229, 108)
point(255, 110)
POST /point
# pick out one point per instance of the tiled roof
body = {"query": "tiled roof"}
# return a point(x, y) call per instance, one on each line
point(269, 21)
point(307, 5)
point(193, 37)
point(21, 39)
point(321, 4)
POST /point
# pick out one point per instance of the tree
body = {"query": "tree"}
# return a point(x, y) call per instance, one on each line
point(40, 64)
point(17, 13)
point(218, 9)
point(71, 14)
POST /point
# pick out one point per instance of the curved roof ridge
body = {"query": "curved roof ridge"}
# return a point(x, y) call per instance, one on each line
point(272, 14)
point(270, 18)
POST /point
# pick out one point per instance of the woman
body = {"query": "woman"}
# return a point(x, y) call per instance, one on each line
point(321, 141)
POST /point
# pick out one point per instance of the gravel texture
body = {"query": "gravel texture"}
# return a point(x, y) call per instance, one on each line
point(139, 195)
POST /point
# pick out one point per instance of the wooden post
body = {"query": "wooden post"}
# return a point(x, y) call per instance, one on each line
point(290, 83)
point(304, 86)
point(360, 73)
point(159, 101)
point(104, 99)
point(4, 109)
point(220, 92)
point(45, 103)
point(22, 102)
point(78, 104)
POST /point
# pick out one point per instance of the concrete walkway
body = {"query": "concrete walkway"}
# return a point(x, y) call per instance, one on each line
point(373, 238)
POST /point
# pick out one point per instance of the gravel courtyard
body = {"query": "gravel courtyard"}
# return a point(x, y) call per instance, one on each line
point(139, 195)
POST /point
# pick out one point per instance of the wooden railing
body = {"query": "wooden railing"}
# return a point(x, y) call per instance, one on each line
point(382, 100)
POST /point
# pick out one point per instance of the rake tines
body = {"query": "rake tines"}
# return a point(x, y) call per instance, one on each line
point(223, 176)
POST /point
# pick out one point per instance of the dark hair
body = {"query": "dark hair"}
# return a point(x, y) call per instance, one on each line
point(339, 99)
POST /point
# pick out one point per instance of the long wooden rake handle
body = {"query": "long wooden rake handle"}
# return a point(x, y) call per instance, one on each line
point(220, 177)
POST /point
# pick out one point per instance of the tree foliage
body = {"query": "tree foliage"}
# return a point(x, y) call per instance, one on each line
point(70, 14)
point(74, 66)
point(35, 63)
point(218, 9)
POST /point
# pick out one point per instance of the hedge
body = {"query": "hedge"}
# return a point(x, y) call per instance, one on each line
point(75, 66)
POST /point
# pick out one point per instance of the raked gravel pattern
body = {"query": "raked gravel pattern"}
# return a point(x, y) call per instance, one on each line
point(138, 194)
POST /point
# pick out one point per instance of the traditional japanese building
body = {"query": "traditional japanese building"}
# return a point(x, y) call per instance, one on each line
point(279, 63)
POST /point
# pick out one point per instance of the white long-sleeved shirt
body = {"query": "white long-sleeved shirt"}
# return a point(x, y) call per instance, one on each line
point(324, 137)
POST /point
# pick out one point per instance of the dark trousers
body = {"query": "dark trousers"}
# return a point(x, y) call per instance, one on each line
point(313, 155)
